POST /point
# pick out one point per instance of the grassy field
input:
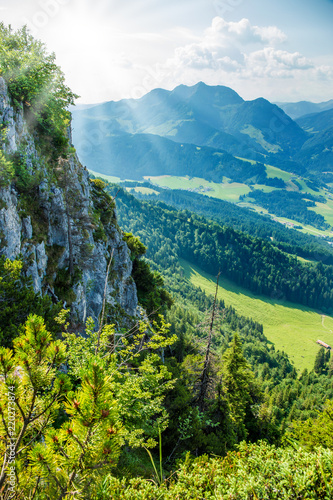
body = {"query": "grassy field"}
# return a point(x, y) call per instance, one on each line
point(292, 328)
point(325, 209)
point(231, 191)
point(228, 191)
point(108, 178)
point(276, 172)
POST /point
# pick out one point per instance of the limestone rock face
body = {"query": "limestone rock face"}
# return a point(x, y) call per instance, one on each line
point(53, 227)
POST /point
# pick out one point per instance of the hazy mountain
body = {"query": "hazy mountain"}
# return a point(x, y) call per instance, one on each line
point(132, 156)
point(200, 115)
point(316, 154)
point(317, 122)
point(297, 109)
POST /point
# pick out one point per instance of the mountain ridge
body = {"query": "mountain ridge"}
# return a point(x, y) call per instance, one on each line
point(202, 115)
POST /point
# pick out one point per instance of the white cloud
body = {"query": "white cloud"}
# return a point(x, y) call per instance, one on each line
point(242, 32)
point(231, 50)
point(275, 63)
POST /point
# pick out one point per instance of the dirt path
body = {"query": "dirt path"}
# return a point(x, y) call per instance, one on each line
point(322, 322)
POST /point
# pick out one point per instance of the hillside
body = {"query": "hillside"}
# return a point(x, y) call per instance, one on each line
point(251, 262)
point(211, 133)
point(297, 110)
point(200, 115)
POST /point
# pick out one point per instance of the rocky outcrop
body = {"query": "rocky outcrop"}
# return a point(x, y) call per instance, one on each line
point(63, 226)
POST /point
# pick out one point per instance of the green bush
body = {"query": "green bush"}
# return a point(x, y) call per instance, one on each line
point(255, 471)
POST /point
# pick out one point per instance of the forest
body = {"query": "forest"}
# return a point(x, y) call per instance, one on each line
point(252, 262)
point(190, 400)
point(247, 221)
point(292, 205)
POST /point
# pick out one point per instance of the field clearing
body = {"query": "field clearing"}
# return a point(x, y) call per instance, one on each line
point(228, 191)
point(292, 328)
point(277, 172)
point(109, 178)
point(325, 209)
point(231, 191)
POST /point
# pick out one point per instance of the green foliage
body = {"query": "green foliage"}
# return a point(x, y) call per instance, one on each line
point(36, 83)
point(238, 384)
point(26, 179)
point(98, 183)
point(6, 170)
point(139, 379)
point(293, 205)
point(254, 263)
point(242, 219)
point(150, 288)
point(104, 211)
point(320, 364)
point(255, 471)
point(118, 398)
point(134, 244)
point(316, 431)
point(18, 300)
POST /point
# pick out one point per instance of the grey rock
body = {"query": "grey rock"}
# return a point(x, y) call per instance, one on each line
point(68, 225)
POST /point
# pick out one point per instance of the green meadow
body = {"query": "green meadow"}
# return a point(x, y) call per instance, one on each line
point(228, 191)
point(109, 178)
point(292, 328)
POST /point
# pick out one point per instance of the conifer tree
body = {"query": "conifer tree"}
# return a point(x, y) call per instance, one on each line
point(238, 384)
point(319, 365)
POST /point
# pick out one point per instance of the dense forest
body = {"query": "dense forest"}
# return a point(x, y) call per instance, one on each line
point(293, 205)
point(190, 400)
point(252, 262)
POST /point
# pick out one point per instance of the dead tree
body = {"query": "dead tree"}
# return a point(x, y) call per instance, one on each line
point(204, 378)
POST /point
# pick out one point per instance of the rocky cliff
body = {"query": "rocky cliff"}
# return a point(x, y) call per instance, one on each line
point(61, 224)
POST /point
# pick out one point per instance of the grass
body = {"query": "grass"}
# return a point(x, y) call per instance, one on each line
point(228, 191)
point(325, 209)
point(292, 328)
point(108, 178)
point(258, 136)
point(231, 191)
point(277, 172)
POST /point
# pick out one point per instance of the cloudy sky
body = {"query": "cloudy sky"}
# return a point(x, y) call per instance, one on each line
point(110, 49)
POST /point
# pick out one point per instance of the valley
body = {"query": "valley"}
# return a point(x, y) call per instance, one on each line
point(292, 329)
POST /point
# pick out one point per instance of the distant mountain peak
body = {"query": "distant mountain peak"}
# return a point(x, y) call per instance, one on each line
point(220, 94)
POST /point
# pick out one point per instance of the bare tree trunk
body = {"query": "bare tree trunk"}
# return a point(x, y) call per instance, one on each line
point(204, 379)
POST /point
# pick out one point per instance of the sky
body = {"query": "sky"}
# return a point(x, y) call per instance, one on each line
point(113, 49)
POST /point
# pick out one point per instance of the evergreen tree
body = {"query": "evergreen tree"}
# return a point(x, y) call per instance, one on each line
point(54, 441)
point(319, 365)
point(238, 384)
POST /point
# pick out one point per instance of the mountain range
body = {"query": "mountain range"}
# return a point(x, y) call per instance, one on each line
point(204, 130)
point(297, 109)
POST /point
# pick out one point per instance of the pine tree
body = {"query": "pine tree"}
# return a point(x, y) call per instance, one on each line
point(238, 382)
point(319, 365)
point(111, 404)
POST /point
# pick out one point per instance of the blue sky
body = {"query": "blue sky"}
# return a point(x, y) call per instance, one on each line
point(112, 49)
